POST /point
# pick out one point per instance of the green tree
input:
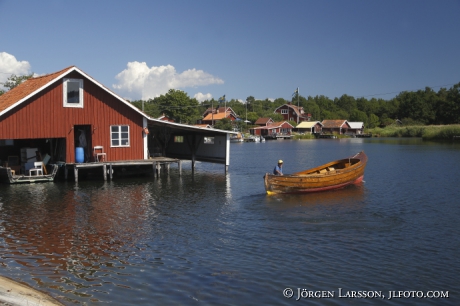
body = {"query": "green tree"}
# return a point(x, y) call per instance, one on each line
point(276, 117)
point(15, 80)
point(149, 107)
point(419, 106)
point(358, 116)
point(373, 121)
point(347, 103)
point(312, 108)
point(224, 124)
point(252, 116)
point(250, 103)
point(177, 105)
point(278, 102)
point(448, 106)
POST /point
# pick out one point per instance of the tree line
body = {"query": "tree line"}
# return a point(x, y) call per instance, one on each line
point(422, 107)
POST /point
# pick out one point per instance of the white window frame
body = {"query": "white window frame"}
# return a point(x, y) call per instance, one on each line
point(119, 139)
point(80, 93)
point(284, 111)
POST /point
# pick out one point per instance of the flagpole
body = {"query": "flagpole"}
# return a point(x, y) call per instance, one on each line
point(298, 109)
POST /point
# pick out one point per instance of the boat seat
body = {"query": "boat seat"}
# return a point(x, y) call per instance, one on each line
point(38, 168)
point(330, 168)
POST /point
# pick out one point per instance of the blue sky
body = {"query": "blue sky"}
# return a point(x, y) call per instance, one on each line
point(240, 48)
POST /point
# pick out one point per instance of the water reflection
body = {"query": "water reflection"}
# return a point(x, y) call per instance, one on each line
point(218, 239)
point(76, 241)
point(350, 196)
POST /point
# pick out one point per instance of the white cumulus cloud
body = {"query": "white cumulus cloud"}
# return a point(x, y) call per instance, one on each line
point(200, 97)
point(140, 81)
point(10, 65)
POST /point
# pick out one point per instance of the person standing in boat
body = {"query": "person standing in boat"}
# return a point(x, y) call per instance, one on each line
point(279, 168)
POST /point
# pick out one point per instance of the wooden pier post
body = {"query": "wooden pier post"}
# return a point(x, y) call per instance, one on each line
point(179, 165)
point(111, 171)
point(158, 169)
point(104, 169)
point(75, 172)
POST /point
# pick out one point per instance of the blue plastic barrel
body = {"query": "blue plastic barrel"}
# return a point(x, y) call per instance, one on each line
point(79, 155)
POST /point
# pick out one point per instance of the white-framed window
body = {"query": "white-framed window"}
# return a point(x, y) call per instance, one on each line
point(178, 138)
point(73, 93)
point(284, 111)
point(119, 136)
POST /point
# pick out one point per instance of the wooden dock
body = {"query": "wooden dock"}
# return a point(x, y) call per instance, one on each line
point(108, 168)
point(280, 136)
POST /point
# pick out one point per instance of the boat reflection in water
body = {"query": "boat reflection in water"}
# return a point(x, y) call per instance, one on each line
point(351, 196)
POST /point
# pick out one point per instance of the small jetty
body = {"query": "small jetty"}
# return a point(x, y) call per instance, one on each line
point(282, 136)
point(107, 169)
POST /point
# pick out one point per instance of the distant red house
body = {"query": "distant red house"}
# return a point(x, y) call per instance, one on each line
point(282, 127)
point(264, 121)
point(291, 112)
point(335, 126)
point(219, 110)
point(212, 118)
point(309, 127)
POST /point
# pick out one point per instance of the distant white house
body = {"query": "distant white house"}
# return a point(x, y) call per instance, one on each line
point(309, 127)
point(356, 128)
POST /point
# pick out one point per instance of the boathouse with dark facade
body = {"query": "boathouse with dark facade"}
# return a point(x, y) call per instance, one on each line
point(62, 111)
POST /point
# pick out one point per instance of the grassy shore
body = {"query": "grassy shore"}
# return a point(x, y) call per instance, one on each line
point(427, 132)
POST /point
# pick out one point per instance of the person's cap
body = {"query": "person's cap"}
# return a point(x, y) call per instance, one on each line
point(280, 161)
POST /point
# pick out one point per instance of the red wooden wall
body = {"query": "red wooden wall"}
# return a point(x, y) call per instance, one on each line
point(44, 116)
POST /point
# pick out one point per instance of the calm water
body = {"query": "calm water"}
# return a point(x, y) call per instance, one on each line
point(216, 239)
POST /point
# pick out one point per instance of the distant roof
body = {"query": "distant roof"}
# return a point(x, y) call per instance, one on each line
point(356, 125)
point(307, 124)
point(273, 125)
point(217, 116)
point(263, 120)
point(333, 123)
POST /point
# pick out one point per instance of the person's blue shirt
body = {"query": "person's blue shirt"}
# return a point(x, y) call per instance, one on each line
point(278, 170)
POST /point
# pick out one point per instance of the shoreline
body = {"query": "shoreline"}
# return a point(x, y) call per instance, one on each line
point(15, 293)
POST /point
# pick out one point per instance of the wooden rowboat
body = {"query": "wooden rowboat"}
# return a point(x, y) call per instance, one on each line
point(7, 176)
point(336, 174)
